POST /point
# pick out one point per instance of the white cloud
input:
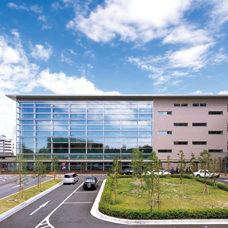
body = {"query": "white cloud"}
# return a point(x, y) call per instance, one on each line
point(60, 83)
point(223, 92)
point(65, 59)
point(132, 20)
point(42, 18)
point(219, 13)
point(40, 53)
point(34, 8)
point(198, 92)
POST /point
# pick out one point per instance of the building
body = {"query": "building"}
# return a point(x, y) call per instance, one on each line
point(94, 129)
point(6, 145)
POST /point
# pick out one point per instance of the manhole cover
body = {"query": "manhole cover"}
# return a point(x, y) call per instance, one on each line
point(11, 200)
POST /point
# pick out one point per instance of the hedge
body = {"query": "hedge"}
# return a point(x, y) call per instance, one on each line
point(105, 206)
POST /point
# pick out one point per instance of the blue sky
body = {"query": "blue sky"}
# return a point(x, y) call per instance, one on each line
point(111, 46)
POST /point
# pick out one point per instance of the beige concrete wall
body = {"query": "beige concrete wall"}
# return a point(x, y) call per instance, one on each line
point(189, 115)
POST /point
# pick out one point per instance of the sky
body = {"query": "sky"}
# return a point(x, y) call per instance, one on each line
point(111, 47)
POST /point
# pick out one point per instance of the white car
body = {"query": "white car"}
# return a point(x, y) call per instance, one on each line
point(161, 172)
point(200, 173)
point(70, 178)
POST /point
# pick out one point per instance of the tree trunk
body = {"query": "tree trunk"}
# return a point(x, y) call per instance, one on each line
point(20, 178)
point(158, 191)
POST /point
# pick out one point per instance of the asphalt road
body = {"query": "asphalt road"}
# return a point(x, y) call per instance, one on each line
point(69, 206)
point(9, 187)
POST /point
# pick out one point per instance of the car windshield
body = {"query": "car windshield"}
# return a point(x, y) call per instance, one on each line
point(67, 176)
point(90, 180)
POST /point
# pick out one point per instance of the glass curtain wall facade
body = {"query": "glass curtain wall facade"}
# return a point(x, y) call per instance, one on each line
point(85, 129)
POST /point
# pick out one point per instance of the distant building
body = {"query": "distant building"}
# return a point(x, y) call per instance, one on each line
point(6, 145)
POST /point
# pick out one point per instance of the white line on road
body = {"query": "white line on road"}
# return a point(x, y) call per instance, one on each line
point(76, 202)
point(87, 192)
point(43, 205)
point(46, 220)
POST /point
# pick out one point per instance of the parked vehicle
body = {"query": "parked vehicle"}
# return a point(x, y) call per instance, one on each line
point(70, 178)
point(161, 172)
point(90, 183)
point(127, 171)
point(209, 174)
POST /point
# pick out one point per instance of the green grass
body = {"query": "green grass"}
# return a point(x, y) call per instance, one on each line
point(6, 205)
point(173, 195)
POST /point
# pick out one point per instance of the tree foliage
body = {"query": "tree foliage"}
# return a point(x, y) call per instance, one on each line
point(182, 164)
point(55, 166)
point(193, 164)
point(40, 169)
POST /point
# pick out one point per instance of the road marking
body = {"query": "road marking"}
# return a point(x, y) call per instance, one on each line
point(76, 202)
point(43, 205)
point(46, 220)
point(86, 192)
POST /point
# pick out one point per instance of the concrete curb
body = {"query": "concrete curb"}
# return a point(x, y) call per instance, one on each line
point(26, 203)
point(97, 214)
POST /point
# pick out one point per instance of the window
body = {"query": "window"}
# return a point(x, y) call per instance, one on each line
point(195, 105)
point(199, 104)
point(180, 143)
point(199, 124)
point(165, 113)
point(215, 132)
point(177, 105)
point(203, 104)
point(215, 112)
point(180, 124)
point(184, 105)
point(199, 143)
point(215, 151)
point(164, 151)
point(164, 132)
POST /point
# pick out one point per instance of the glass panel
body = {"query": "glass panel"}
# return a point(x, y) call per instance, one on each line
point(133, 116)
point(78, 133)
point(146, 116)
point(145, 145)
point(60, 145)
point(112, 111)
point(78, 139)
point(145, 106)
point(43, 122)
point(43, 127)
point(43, 105)
point(28, 127)
point(129, 122)
point(89, 110)
point(62, 156)
point(131, 111)
point(62, 116)
point(145, 133)
point(144, 110)
point(95, 151)
point(112, 145)
point(95, 139)
point(27, 121)
point(95, 116)
point(82, 127)
point(27, 116)
point(60, 133)
point(113, 122)
point(79, 151)
point(43, 145)
point(27, 105)
point(144, 139)
point(43, 115)
point(78, 116)
point(129, 128)
point(113, 106)
point(27, 133)
point(48, 140)
point(129, 105)
point(27, 109)
point(60, 139)
point(78, 122)
point(60, 127)
point(95, 105)
point(43, 110)
point(78, 110)
point(129, 133)
point(63, 151)
point(109, 157)
point(95, 145)
point(94, 156)
point(112, 133)
point(112, 151)
point(28, 145)
point(77, 156)
point(77, 145)
point(145, 128)
point(112, 116)
point(94, 121)
point(107, 127)
point(60, 105)
point(27, 139)
point(145, 122)
point(26, 151)
point(95, 133)
point(129, 140)
point(60, 110)
point(95, 128)
point(43, 133)
point(117, 139)
point(78, 106)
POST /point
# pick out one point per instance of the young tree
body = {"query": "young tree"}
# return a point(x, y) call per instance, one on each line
point(168, 164)
point(157, 170)
point(214, 167)
point(193, 164)
point(204, 165)
point(133, 163)
point(40, 169)
point(55, 166)
point(115, 170)
point(182, 164)
point(150, 166)
point(137, 163)
point(21, 172)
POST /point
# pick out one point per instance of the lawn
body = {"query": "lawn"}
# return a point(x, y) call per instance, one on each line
point(6, 205)
point(173, 195)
